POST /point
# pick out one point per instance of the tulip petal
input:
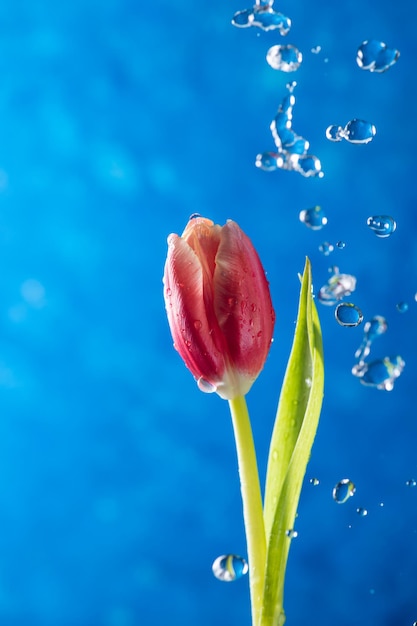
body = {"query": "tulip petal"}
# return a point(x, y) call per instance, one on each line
point(185, 304)
point(242, 301)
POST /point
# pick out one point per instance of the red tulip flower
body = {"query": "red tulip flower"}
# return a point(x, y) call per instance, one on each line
point(218, 305)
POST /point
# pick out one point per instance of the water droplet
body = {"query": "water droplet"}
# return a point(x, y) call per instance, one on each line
point(316, 49)
point(205, 386)
point(194, 216)
point(197, 324)
point(263, 16)
point(374, 328)
point(292, 534)
point(348, 314)
point(359, 131)
point(337, 287)
point(229, 567)
point(355, 131)
point(382, 225)
point(361, 511)
point(269, 161)
point(343, 491)
point(314, 482)
point(292, 149)
point(314, 218)
point(326, 248)
point(284, 58)
point(411, 482)
point(334, 133)
point(341, 245)
point(380, 374)
point(375, 56)
point(402, 307)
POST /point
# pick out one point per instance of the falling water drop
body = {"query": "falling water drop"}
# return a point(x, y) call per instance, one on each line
point(348, 314)
point(343, 491)
point(382, 225)
point(284, 58)
point(375, 56)
point(229, 567)
point(380, 374)
point(314, 218)
point(402, 307)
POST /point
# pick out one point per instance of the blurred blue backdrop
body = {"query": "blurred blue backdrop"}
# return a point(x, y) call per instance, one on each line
point(118, 478)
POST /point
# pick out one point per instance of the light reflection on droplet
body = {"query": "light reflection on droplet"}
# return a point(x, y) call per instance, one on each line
point(343, 491)
point(229, 567)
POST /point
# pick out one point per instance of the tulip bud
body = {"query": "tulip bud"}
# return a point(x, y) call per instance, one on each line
point(218, 306)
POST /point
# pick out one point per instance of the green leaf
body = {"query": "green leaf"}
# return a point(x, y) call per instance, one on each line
point(292, 439)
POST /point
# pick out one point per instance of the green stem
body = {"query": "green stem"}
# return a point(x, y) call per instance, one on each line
point(252, 503)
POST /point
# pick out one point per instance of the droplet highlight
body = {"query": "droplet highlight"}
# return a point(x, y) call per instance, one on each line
point(284, 58)
point(229, 567)
point(314, 218)
point(411, 482)
point(344, 490)
point(382, 225)
point(361, 511)
point(376, 56)
point(348, 314)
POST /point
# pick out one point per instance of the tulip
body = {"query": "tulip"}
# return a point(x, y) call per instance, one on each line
point(218, 306)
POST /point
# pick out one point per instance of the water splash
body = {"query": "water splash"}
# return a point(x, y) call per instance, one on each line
point(292, 149)
point(375, 56)
point(337, 287)
point(355, 131)
point(374, 328)
point(264, 17)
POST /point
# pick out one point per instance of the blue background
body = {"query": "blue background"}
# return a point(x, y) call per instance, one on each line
point(118, 479)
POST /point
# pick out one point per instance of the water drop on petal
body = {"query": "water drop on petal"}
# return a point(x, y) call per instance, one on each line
point(348, 314)
point(205, 386)
point(343, 491)
point(229, 567)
